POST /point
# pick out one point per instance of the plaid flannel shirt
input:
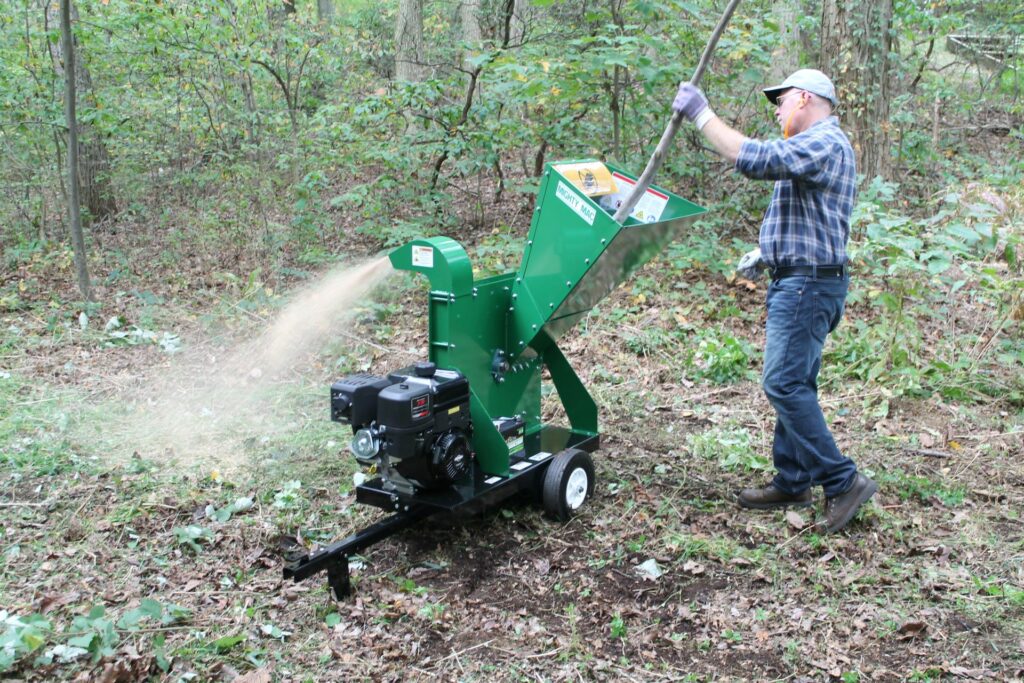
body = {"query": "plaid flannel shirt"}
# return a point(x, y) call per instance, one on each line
point(808, 219)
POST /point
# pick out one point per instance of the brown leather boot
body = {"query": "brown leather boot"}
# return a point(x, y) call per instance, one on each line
point(771, 498)
point(839, 510)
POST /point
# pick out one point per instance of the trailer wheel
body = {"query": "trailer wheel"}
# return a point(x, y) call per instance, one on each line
point(568, 482)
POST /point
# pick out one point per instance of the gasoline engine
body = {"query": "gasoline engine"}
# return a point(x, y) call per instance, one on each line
point(413, 426)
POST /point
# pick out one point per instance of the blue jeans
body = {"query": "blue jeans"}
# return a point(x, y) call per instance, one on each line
point(802, 310)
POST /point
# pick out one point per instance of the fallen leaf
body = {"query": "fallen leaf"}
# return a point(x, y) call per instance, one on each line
point(191, 585)
point(911, 629)
point(649, 570)
point(257, 676)
point(695, 568)
point(796, 520)
point(973, 674)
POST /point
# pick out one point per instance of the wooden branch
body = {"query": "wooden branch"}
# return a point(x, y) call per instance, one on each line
point(463, 117)
point(673, 126)
point(986, 126)
point(929, 453)
point(284, 86)
point(302, 68)
point(924, 62)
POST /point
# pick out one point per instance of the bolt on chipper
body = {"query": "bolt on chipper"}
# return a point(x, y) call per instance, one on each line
point(462, 430)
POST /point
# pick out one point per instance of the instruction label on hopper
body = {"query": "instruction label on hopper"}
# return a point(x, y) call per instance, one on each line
point(648, 209)
point(575, 202)
point(423, 256)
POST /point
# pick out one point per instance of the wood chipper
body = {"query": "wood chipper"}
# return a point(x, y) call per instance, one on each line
point(462, 430)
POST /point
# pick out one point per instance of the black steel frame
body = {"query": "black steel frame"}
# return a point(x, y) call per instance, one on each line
point(479, 492)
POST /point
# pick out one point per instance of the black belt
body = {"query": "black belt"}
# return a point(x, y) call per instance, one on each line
point(813, 271)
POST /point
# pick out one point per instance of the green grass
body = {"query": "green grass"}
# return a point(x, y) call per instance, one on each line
point(923, 489)
point(35, 424)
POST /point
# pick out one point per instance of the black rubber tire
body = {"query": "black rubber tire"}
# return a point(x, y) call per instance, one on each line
point(558, 500)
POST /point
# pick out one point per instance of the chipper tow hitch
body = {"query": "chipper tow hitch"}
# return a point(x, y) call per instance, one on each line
point(462, 431)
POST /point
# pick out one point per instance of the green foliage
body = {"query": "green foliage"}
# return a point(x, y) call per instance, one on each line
point(617, 627)
point(718, 356)
point(96, 634)
point(154, 612)
point(21, 636)
point(192, 536)
point(225, 513)
point(730, 446)
point(925, 490)
point(1012, 595)
point(407, 585)
point(290, 496)
point(497, 254)
point(118, 335)
point(35, 428)
point(432, 611)
point(912, 269)
point(226, 643)
point(704, 247)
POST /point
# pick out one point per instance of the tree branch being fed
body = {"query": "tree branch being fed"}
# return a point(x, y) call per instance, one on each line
point(673, 126)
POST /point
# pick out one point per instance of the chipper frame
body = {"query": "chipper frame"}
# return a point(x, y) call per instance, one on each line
point(463, 430)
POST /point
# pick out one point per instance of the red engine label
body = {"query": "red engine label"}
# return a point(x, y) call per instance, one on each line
point(420, 407)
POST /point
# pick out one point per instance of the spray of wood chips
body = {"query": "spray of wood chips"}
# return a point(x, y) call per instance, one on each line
point(213, 406)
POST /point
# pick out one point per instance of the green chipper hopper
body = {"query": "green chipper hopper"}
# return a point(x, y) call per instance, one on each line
point(462, 430)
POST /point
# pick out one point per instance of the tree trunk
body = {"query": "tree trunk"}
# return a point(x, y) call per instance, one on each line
point(786, 57)
point(409, 41)
point(518, 22)
point(96, 188)
point(74, 212)
point(325, 11)
point(856, 45)
point(469, 15)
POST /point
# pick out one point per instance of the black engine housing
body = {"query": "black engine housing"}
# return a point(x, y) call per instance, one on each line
point(419, 415)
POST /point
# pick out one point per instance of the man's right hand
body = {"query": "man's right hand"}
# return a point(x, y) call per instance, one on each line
point(751, 265)
point(689, 101)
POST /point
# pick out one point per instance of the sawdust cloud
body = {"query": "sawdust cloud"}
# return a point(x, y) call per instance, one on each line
point(210, 410)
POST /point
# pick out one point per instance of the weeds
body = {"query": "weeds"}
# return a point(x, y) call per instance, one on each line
point(720, 357)
point(729, 446)
point(192, 536)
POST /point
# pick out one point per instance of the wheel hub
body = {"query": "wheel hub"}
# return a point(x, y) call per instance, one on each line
point(576, 488)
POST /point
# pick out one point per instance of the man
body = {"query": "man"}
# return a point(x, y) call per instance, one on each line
point(803, 245)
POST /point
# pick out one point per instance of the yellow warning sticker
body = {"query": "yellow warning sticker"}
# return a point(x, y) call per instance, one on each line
point(591, 177)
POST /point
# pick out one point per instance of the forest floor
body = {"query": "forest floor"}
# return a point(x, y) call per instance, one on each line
point(125, 559)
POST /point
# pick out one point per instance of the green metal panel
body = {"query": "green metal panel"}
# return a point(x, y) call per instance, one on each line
point(576, 254)
point(580, 407)
point(466, 325)
point(441, 259)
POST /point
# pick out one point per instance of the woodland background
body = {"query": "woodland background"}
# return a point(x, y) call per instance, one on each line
point(230, 152)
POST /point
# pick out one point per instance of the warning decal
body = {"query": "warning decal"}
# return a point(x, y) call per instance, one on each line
point(423, 256)
point(648, 209)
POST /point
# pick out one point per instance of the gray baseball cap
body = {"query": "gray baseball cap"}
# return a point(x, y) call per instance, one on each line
point(811, 80)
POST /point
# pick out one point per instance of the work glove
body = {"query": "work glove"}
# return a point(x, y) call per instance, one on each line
point(691, 103)
point(751, 265)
